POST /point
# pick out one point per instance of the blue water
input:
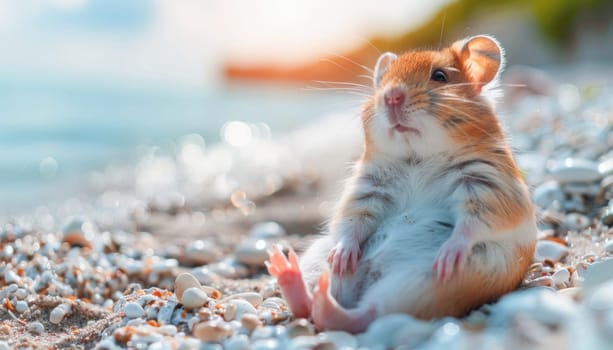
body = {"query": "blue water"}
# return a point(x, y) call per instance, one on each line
point(84, 126)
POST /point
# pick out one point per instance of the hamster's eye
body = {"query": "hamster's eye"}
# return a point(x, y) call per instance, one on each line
point(439, 75)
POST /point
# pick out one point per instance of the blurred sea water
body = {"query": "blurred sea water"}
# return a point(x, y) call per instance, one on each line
point(55, 132)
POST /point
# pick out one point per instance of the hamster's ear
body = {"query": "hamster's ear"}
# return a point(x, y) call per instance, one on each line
point(482, 58)
point(383, 63)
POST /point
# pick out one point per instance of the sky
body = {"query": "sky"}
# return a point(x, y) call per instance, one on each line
point(185, 42)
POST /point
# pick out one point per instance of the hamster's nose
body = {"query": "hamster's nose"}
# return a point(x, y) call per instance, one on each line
point(394, 97)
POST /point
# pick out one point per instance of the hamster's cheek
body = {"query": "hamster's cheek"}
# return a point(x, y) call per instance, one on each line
point(433, 139)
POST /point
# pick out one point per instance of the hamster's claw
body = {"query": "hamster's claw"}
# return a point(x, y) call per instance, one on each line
point(344, 257)
point(450, 260)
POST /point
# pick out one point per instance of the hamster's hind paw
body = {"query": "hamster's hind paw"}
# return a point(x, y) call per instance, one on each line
point(451, 259)
point(344, 257)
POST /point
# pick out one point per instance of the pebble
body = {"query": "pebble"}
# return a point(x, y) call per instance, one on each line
point(200, 252)
point(212, 331)
point(252, 252)
point(193, 298)
point(383, 331)
point(577, 222)
point(250, 322)
point(21, 306)
point(546, 249)
point(239, 308)
point(36, 328)
point(539, 304)
point(184, 281)
point(237, 342)
point(4, 345)
point(606, 167)
point(574, 170)
point(133, 310)
point(300, 327)
point(596, 274)
point(267, 230)
point(11, 277)
point(547, 193)
point(58, 313)
point(561, 276)
point(253, 298)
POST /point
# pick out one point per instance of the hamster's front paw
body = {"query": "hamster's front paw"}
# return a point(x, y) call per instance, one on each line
point(451, 258)
point(343, 258)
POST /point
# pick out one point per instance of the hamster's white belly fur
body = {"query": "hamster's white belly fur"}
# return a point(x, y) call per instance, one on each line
point(394, 272)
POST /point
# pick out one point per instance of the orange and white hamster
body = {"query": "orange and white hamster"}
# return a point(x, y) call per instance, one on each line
point(436, 218)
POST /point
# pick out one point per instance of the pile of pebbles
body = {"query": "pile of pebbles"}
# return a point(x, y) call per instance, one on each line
point(85, 286)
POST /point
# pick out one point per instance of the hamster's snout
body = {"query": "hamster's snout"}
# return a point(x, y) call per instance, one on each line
point(394, 97)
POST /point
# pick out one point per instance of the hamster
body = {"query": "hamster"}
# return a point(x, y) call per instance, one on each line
point(436, 219)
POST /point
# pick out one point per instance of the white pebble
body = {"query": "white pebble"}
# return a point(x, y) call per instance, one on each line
point(36, 328)
point(575, 221)
point(382, 332)
point(561, 276)
point(58, 313)
point(253, 298)
point(540, 304)
point(200, 252)
point(574, 170)
point(265, 344)
point(211, 331)
point(21, 293)
point(608, 247)
point(21, 306)
point(183, 282)
point(133, 310)
point(237, 342)
point(267, 230)
point(546, 249)
point(11, 277)
point(240, 308)
point(4, 345)
point(252, 252)
point(193, 298)
point(168, 330)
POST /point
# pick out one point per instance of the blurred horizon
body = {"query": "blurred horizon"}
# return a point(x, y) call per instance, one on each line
point(92, 85)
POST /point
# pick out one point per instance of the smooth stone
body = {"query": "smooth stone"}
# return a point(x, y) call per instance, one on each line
point(267, 230)
point(253, 298)
point(274, 303)
point(596, 274)
point(546, 249)
point(204, 275)
point(21, 293)
point(213, 331)
point(561, 276)
point(602, 297)
point(165, 314)
point(252, 252)
point(250, 322)
point(581, 188)
point(183, 282)
point(11, 277)
point(383, 331)
point(539, 304)
point(574, 170)
point(58, 313)
point(21, 306)
point(576, 222)
point(164, 266)
point(133, 310)
point(193, 298)
point(547, 193)
point(240, 307)
point(36, 328)
point(607, 216)
point(543, 281)
point(237, 342)
point(169, 330)
point(300, 327)
point(606, 167)
point(200, 252)
point(4, 345)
